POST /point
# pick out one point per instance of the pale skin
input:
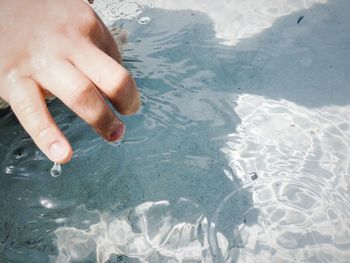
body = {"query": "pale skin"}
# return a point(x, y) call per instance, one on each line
point(62, 48)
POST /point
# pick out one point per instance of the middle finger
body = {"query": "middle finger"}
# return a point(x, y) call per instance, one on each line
point(75, 90)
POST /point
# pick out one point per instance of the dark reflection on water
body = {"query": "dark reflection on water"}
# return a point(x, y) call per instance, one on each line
point(177, 187)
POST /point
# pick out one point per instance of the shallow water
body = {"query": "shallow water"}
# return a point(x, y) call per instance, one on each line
point(240, 152)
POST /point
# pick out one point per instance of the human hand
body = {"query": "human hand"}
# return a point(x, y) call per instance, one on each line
point(61, 48)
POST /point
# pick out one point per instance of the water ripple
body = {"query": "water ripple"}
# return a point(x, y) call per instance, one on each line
point(149, 232)
point(20, 155)
point(206, 172)
point(301, 195)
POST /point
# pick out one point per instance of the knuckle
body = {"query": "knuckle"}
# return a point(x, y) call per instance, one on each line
point(99, 119)
point(33, 116)
point(120, 81)
point(25, 106)
point(127, 97)
point(80, 91)
point(134, 105)
point(41, 130)
point(89, 20)
point(87, 23)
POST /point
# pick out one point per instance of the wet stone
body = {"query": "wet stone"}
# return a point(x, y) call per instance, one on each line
point(253, 176)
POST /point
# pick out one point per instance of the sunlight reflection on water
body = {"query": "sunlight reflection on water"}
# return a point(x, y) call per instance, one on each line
point(302, 214)
point(150, 232)
point(302, 158)
point(233, 20)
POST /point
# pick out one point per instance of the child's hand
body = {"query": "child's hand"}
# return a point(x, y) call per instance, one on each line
point(61, 48)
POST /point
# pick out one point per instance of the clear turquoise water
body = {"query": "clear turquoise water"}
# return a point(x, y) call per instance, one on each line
point(221, 100)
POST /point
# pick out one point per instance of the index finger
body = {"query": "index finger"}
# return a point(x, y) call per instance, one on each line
point(28, 103)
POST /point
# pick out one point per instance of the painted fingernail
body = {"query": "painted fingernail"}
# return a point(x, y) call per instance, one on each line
point(118, 133)
point(58, 151)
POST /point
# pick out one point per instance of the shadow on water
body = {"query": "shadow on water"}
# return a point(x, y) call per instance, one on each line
point(173, 149)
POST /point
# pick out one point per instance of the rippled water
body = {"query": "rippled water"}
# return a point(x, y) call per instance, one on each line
point(240, 153)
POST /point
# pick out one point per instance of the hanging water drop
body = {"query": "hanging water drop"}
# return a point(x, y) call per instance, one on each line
point(56, 170)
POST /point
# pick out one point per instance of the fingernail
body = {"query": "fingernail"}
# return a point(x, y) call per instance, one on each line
point(57, 151)
point(117, 134)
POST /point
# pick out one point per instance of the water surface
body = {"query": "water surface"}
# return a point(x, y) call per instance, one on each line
point(240, 152)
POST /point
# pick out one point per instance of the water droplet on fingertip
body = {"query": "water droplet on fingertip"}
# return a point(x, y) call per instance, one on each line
point(56, 170)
